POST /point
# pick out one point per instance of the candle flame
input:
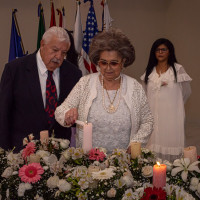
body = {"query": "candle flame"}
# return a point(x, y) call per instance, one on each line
point(158, 164)
point(86, 122)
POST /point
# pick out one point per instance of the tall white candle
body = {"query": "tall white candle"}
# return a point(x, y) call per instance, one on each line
point(87, 137)
point(135, 149)
point(44, 136)
point(191, 153)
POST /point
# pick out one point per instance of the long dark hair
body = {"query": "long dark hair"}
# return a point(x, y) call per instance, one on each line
point(153, 60)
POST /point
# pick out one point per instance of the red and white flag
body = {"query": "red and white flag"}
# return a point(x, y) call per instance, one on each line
point(53, 19)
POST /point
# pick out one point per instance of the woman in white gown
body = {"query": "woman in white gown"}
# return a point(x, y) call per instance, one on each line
point(168, 87)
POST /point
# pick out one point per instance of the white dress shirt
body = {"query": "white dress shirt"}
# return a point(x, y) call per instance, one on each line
point(43, 73)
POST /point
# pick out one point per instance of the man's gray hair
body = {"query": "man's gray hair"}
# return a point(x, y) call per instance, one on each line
point(59, 32)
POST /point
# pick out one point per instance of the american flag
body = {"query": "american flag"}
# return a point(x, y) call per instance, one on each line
point(90, 31)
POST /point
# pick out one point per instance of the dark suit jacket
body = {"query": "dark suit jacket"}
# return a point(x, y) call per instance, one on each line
point(21, 105)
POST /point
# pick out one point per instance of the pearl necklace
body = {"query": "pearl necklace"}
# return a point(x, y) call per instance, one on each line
point(111, 108)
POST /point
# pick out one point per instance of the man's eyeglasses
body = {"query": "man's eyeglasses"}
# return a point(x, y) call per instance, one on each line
point(161, 50)
point(112, 63)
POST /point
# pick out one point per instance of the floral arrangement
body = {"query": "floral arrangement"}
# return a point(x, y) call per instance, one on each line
point(53, 170)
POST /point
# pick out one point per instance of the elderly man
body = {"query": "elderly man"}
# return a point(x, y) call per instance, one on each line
point(32, 87)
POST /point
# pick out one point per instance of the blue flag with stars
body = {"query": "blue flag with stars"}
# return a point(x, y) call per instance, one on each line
point(90, 31)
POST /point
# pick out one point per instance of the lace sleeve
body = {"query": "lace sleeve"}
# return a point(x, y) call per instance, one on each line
point(72, 101)
point(146, 120)
point(184, 79)
point(186, 90)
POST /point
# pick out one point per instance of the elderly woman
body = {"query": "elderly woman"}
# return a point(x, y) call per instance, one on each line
point(114, 103)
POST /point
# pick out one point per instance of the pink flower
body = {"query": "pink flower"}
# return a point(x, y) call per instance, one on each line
point(30, 149)
point(95, 154)
point(31, 173)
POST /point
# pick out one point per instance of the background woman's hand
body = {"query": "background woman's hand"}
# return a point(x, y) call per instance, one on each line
point(128, 150)
point(71, 116)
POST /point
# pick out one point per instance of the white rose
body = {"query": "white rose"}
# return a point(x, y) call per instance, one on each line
point(28, 186)
point(66, 154)
point(53, 142)
point(15, 173)
point(147, 171)
point(64, 144)
point(128, 180)
point(193, 187)
point(168, 164)
point(64, 186)
point(21, 190)
point(7, 172)
point(52, 182)
point(194, 181)
point(42, 153)
point(111, 193)
point(45, 168)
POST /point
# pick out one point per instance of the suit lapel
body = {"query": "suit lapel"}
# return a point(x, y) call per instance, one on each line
point(34, 83)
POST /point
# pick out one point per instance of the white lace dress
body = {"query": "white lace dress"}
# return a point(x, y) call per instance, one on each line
point(110, 130)
point(167, 106)
point(133, 119)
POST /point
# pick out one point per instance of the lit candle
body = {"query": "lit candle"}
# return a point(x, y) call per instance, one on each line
point(87, 137)
point(159, 175)
point(135, 149)
point(191, 153)
point(44, 136)
point(34, 158)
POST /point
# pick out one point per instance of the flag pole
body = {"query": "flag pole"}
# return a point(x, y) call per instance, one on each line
point(15, 10)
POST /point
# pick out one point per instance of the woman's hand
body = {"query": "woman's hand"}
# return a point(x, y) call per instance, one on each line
point(71, 116)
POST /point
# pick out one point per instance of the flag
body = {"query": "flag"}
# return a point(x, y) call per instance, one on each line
point(90, 31)
point(78, 31)
point(107, 20)
point(41, 27)
point(63, 18)
point(53, 19)
point(16, 45)
point(60, 17)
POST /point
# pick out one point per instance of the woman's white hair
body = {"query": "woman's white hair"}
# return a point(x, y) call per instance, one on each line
point(59, 32)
